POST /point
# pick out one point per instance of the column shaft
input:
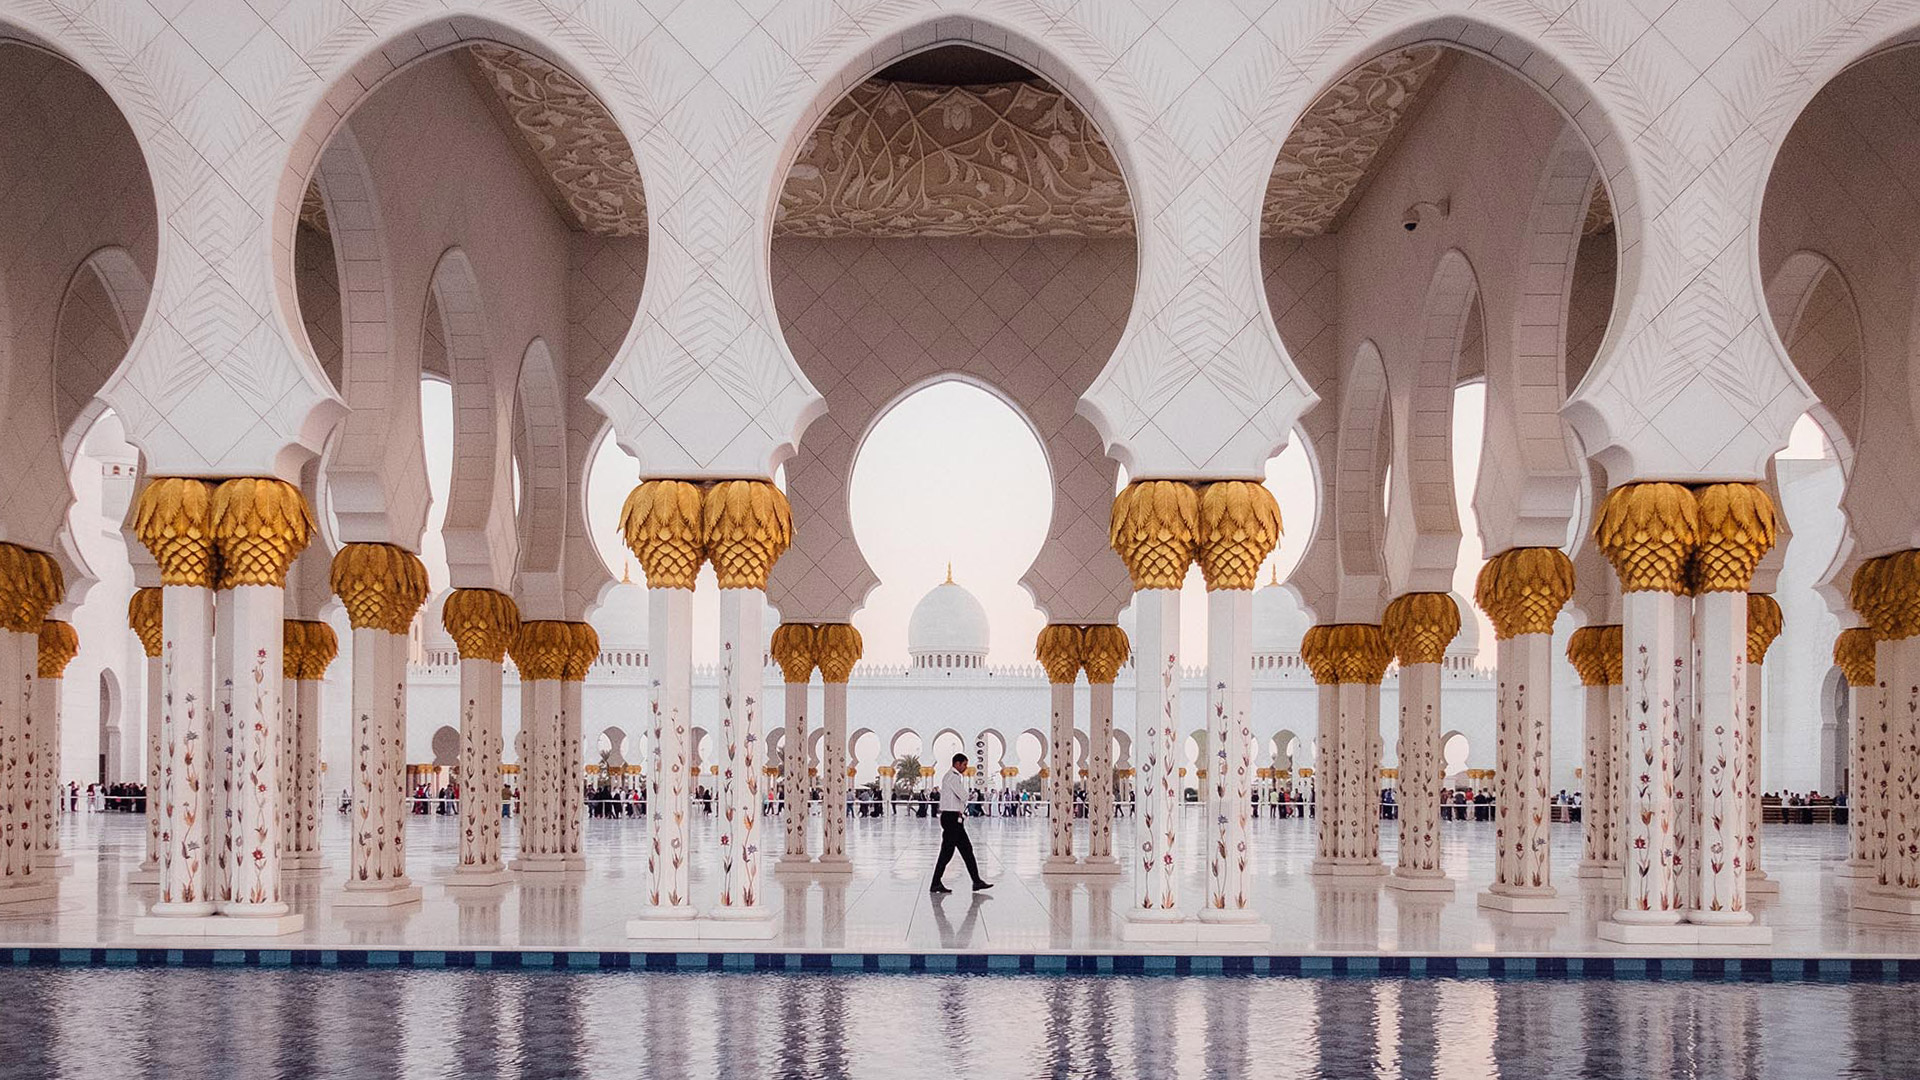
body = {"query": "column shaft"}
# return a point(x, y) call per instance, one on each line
point(1060, 778)
point(1617, 775)
point(1598, 849)
point(793, 773)
point(1863, 791)
point(187, 776)
point(1523, 878)
point(255, 716)
point(481, 694)
point(1230, 747)
point(1898, 666)
point(1420, 776)
point(1156, 721)
point(833, 776)
point(742, 672)
point(378, 826)
point(46, 703)
point(227, 660)
point(1326, 775)
point(1100, 774)
point(670, 781)
point(1369, 770)
point(156, 689)
point(1654, 674)
point(290, 853)
point(1757, 880)
point(307, 772)
point(19, 662)
point(1720, 792)
point(540, 791)
point(571, 787)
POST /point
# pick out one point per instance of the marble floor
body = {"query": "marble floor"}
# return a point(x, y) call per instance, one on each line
point(884, 906)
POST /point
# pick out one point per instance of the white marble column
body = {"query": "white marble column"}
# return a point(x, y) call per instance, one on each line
point(382, 587)
point(143, 615)
point(1522, 591)
point(1854, 652)
point(1595, 653)
point(187, 773)
point(310, 646)
point(1156, 713)
point(58, 646)
point(1720, 784)
point(838, 647)
point(540, 651)
point(1348, 660)
point(1107, 649)
point(1763, 625)
point(483, 624)
point(1648, 532)
point(254, 835)
point(29, 587)
point(1059, 649)
point(573, 762)
point(1886, 591)
point(670, 778)
point(793, 650)
point(1326, 770)
point(1419, 627)
point(742, 674)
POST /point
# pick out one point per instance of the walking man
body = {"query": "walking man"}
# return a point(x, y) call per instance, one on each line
point(953, 827)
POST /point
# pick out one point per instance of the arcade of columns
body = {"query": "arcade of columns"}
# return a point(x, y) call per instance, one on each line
point(1669, 727)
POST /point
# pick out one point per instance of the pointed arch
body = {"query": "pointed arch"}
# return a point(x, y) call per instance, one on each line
point(479, 528)
point(1423, 518)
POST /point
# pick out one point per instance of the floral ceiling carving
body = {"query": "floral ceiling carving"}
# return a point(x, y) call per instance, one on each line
point(905, 159)
point(895, 159)
point(1333, 150)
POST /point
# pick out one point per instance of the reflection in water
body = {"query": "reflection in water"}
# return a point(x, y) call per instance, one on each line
point(120, 1024)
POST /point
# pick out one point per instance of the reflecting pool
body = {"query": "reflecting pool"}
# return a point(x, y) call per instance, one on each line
point(170, 1022)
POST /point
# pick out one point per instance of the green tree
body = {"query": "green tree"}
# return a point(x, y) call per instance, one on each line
point(906, 773)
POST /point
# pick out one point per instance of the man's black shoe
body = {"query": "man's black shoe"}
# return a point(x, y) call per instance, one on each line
point(937, 888)
point(980, 885)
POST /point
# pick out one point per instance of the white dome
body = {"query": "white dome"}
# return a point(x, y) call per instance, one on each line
point(948, 620)
point(1279, 622)
point(621, 618)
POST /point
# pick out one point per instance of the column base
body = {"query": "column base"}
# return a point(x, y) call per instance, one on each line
point(1758, 883)
point(748, 924)
point(1858, 870)
point(1219, 924)
point(541, 864)
point(53, 862)
point(145, 875)
point(1646, 933)
point(37, 893)
point(1543, 903)
point(676, 923)
point(300, 864)
point(1346, 868)
point(833, 864)
point(393, 895)
point(488, 878)
point(228, 909)
point(801, 865)
point(1606, 871)
point(1060, 864)
point(1891, 901)
point(1157, 926)
point(220, 926)
point(1432, 881)
point(1100, 866)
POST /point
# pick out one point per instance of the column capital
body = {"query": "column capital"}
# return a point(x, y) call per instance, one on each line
point(1155, 530)
point(1061, 649)
point(1346, 653)
point(1648, 532)
point(1523, 589)
point(143, 616)
point(541, 649)
point(1886, 593)
point(1239, 525)
point(174, 519)
point(1106, 652)
point(1595, 652)
point(746, 526)
point(482, 622)
point(1853, 652)
point(259, 526)
point(792, 647)
point(1420, 626)
point(1764, 621)
point(30, 585)
point(1737, 528)
point(307, 646)
point(59, 644)
point(663, 525)
point(836, 646)
point(584, 642)
point(381, 585)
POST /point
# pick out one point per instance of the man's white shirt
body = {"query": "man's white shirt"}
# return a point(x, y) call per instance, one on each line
point(953, 793)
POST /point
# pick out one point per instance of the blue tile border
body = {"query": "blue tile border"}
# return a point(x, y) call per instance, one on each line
point(1317, 965)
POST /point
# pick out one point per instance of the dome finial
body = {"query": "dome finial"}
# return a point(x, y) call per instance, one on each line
point(1276, 573)
point(626, 571)
point(949, 580)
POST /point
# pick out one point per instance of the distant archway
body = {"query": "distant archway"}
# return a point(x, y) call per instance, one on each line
point(446, 747)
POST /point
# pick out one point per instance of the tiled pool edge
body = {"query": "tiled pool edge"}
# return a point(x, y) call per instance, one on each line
point(1714, 969)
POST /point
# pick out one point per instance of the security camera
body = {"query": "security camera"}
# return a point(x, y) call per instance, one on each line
point(1421, 212)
